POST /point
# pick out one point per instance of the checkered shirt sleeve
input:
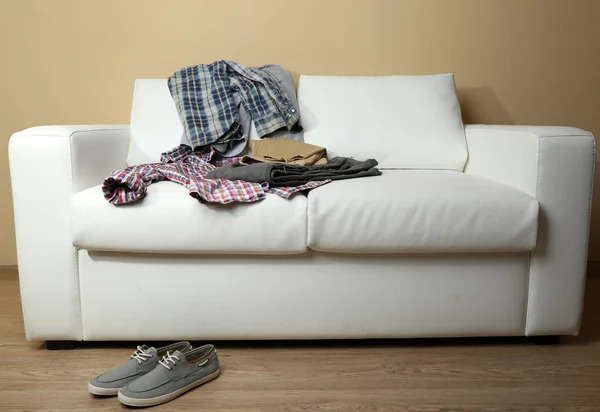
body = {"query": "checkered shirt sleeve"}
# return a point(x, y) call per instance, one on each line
point(263, 98)
point(203, 96)
point(129, 185)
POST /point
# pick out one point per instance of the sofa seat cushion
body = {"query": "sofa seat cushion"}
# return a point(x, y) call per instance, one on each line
point(168, 220)
point(425, 211)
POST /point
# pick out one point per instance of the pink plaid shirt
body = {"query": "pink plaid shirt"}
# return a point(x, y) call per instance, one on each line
point(183, 166)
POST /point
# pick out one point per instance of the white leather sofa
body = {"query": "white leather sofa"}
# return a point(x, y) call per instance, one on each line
point(473, 230)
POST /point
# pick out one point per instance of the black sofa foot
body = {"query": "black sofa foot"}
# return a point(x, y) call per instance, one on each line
point(545, 340)
point(59, 344)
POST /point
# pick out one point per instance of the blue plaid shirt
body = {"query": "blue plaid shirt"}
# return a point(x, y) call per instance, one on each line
point(204, 99)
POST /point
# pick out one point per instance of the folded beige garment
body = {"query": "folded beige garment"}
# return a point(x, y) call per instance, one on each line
point(284, 150)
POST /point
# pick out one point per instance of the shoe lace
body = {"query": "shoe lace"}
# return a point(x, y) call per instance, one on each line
point(167, 359)
point(140, 355)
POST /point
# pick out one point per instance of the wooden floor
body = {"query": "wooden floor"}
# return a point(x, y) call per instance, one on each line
point(427, 375)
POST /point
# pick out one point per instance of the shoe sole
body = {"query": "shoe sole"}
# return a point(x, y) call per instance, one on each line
point(141, 402)
point(95, 390)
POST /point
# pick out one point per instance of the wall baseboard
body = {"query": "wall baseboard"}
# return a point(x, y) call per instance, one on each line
point(593, 268)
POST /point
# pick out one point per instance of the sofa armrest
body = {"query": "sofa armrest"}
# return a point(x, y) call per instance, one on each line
point(556, 166)
point(47, 165)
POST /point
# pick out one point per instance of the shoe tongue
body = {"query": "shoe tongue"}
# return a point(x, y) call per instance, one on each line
point(176, 354)
point(149, 349)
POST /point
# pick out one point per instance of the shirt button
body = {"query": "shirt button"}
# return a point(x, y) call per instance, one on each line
point(293, 110)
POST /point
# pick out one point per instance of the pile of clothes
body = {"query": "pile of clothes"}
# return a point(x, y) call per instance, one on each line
point(217, 104)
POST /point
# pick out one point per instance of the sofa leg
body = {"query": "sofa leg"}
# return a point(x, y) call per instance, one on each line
point(59, 344)
point(545, 340)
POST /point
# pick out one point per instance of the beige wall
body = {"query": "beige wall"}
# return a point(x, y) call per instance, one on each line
point(516, 61)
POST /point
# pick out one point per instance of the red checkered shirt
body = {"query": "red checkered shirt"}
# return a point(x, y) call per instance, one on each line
point(183, 166)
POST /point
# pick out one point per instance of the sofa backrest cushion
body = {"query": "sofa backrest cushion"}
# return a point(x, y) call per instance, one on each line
point(404, 122)
point(155, 126)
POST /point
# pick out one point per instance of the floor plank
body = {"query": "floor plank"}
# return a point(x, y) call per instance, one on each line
point(397, 375)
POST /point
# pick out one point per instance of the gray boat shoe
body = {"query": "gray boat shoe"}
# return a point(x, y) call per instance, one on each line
point(143, 360)
point(176, 374)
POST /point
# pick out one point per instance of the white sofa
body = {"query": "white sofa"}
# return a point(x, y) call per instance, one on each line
point(471, 231)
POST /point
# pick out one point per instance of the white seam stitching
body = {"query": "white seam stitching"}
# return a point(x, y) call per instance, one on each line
point(75, 273)
point(18, 243)
point(531, 280)
point(590, 201)
point(540, 136)
point(308, 222)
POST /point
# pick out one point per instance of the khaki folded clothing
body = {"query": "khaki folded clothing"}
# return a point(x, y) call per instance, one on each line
point(285, 150)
